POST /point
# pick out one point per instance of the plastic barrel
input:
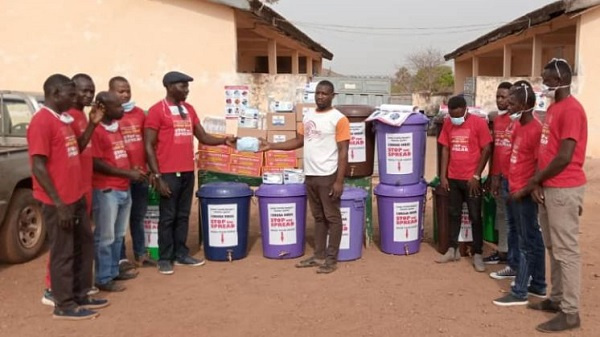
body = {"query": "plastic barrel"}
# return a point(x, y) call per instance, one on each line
point(353, 219)
point(225, 215)
point(282, 211)
point(400, 217)
point(151, 224)
point(361, 151)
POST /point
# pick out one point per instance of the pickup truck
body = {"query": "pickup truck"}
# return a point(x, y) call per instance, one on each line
point(22, 230)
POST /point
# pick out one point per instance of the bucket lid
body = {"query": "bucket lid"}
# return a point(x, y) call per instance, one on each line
point(414, 190)
point(224, 190)
point(413, 119)
point(288, 190)
point(353, 193)
point(355, 110)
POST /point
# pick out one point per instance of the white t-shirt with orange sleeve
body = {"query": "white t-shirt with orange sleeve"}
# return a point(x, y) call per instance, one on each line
point(322, 131)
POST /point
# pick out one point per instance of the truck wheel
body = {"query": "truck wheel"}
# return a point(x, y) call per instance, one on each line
point(23, 233)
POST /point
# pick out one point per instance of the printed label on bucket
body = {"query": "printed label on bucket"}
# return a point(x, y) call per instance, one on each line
point(282, 224)
point(466, 232)
point(151, 227)
point(345, 243)
point(357, 152)
point(222, 222)
point(406, 221)
point(399, 152)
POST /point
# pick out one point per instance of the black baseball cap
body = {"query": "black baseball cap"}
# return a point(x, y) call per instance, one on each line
point(175, 77)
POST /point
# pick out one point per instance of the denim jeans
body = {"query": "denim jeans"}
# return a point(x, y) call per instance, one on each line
point(513, 256)
point(174, 217)
point(110, 210)
point(459, 193)
point(139, 205)
point(531, 248)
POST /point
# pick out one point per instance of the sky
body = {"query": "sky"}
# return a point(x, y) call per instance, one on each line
point(374, 37)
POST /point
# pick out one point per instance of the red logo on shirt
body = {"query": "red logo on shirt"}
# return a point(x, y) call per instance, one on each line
point(310, 130)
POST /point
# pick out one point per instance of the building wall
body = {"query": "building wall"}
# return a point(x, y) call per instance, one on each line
point(491, 66)
point(589, 75)
point(462, 70)
point(144, 40)
point(521, 63)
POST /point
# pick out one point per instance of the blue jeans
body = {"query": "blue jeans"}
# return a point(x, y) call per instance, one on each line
point(174, 217)
point(513, 256)
point(111, 214)
point(531, 247)
point(139, 205)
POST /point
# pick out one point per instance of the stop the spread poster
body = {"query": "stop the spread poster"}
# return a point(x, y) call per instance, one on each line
point(399, 150)
point(282, 224)
point(358, 143)
point(222, 222)
point(406, 221)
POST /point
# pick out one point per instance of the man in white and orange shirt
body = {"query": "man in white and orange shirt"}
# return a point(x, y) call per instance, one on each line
point(111, 197)
point(131, 127)
point(325, 136)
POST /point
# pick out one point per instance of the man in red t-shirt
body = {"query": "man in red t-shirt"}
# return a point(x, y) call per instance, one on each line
point(56, 170)
point(531, 272)
point(131, 127)
point(112, 201)
point(169, 133)
point(466, 142)
point(558, 187)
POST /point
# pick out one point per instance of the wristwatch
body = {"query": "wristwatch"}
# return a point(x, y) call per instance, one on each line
point(157, 175)
point(476, 177)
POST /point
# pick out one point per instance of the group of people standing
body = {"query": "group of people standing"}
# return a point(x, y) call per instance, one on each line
point(100, 168)
point(538, 180)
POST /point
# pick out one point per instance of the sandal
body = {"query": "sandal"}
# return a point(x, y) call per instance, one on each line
point(327, 268)
point(310, 262)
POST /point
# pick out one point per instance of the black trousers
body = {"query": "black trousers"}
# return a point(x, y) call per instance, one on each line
point(459, 193)
point(71, 255)
point(174, 218)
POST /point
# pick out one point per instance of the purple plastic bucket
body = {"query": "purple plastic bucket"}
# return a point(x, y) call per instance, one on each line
point(282, 211)
point(352, 207)
point(399, 209)
point(401, 151)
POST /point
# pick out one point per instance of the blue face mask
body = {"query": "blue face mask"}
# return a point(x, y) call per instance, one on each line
point(458, 120)
point(128, 106)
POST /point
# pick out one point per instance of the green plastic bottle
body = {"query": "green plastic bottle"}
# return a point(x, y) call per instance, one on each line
point(151, 224)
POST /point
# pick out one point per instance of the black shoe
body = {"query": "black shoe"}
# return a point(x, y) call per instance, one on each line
point(561, 322)
point(165, 267)
point(125, 265)
point(94, 303)
point(111, 287)
point(327, 268)
point(127, 275)
point(144, 261)
point(509, 300)
point(189, 261)
point(310, 262)
point(536, 293)
point(495, 258)
point(546, 305)
point(76, 314)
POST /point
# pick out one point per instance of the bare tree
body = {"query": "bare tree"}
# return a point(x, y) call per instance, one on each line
point(402, 81)
point(426, 64)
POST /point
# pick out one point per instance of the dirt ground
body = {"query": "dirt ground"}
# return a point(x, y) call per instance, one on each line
point(378, 295)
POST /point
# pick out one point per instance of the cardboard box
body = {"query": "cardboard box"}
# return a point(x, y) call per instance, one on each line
point(280, 136)
point(213, 157)
point(299, 125)
point(250, 171)
point(273, 169)
point(241, 160)
point(245, 132)
point(282, 121)
point(215, 167)
point(302, 108)
point(256, 155)
point(246, 122)
point(300, 153)
point(285, 159)
point(301, 164)
point(210, 148)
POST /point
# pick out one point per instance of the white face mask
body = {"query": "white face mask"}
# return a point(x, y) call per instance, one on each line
point(66, 118)
point(128, 106)
point(114, 127)
point(175, 110)
point(550, 92)
point(517, 115)
point(502, 112)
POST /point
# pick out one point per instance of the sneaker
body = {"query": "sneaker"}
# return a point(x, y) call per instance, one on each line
point(76, 314)
point(560, 322)
point(125, 265)
point(504, 273)
point(457, 255)
point(310, 262)
point(478, 263)
point(47, 298)
point(189, 261)
point(93, 291)
point(495, 258)
point(448, 257)
point(127, 275)
point(546, 305)
point(327, 268)
point(536, 293)
point(111, 287)
point(509, 300)
point(144, 261)
point(94, 303)
point(165, 267)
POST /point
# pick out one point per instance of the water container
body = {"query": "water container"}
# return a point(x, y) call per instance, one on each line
point(362, 140)
point(401, 151)
point(151, 224)
point(224, 215)
point(353, 219)
point(282, 220)
point(400, 217)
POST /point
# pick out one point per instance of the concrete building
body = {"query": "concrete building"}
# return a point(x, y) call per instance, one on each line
point(566, 29)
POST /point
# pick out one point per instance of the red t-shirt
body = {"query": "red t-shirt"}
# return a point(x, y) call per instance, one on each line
point(564, 120)
point(175, 144)
point(49, 137)
point(110, 148)
point(465, 143)
point(503, 130)
point(87, 166)
point(523, 159)
point(132, 128)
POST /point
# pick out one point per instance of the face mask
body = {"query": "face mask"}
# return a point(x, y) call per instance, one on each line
point(517, 115)
point(128, 106)
point(66, 118)
point(458, 120)
point(502, 112)
point(550, 92)
point(175, 111)
point(114, 127)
